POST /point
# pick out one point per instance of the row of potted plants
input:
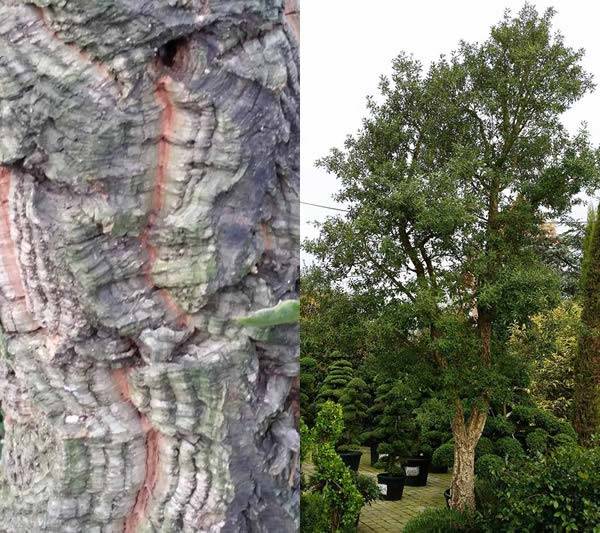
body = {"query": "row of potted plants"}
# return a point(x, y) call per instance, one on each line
point(398, 470)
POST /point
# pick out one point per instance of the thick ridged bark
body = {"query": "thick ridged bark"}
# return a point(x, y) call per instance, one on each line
point(148, 198)
point(466, 436)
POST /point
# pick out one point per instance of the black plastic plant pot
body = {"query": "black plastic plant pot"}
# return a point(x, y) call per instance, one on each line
point(351, 459)
point(374, 453)
point(447, 496)
point(391, 487)
point(417, 469)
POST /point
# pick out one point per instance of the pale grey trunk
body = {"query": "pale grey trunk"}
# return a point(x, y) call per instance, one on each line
point(148, 197)
point(466, 436)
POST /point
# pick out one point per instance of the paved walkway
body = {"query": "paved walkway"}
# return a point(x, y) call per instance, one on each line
point(385, 516)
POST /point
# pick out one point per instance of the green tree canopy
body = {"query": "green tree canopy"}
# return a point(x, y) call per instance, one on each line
point(549, 345)
point(333, 320)
point(587, 364)
point(450, 185)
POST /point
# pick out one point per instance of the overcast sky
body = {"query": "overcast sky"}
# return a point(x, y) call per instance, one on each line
point(347, 44)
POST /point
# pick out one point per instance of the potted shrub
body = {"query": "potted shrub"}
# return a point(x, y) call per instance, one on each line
point(392, 481)
point(368, 488)
point(417, 470)
point(376, 432)
point(350, 454)
point(339, 374)
point(354, 400)
point(331, 480)
point(443, 458)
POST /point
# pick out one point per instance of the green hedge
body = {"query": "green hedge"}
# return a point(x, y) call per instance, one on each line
point(440, 520)
point(558, 492)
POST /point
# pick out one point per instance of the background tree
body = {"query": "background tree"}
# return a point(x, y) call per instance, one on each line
point(333, 320)
point(310, 381)
point(549, 345)
point(149, 182)
point(449, 184)
point(587, 363)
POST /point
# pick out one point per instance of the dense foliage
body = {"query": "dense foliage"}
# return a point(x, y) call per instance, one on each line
point(354, 401)
point(333, 495)
point(450, 184)
point(587, 363)
point(549, 345)
point(339, 374)
point(335, 484)
point(332, 320)
point(559, 492)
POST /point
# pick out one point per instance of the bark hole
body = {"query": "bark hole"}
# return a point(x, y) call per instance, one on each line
point(171, 53)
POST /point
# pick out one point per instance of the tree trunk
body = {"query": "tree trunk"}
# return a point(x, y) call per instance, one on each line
point(466, 436)
point(149, 183)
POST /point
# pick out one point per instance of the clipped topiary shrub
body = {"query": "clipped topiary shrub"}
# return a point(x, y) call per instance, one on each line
point(549, 422)
point(523, 415)
point(339, 374)
point(309, 380)
point(489, 464)
point(564, 439)
point(497, 427)
point(567, 429)
point(440, 520)
point(484, 446)
point(509, 449)
point(354, 400)
point(537, 441)
point(443, 457)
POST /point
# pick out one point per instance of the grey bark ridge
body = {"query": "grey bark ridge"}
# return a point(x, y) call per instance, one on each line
point(149, 180)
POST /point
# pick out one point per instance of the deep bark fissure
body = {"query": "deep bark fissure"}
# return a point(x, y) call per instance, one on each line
point(139, 221)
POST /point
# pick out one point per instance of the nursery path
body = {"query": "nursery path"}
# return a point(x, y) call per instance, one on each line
point(384, 516)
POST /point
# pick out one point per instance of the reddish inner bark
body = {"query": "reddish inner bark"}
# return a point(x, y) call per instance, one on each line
point(143, 496)
point(292, 14)
point(167, 123)
point(134, 518)
point(119, 376)
point(8, 255)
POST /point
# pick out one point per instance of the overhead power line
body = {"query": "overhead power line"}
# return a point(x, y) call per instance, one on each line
point(325, 207)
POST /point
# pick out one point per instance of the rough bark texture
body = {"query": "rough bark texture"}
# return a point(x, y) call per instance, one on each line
point(466, 436)
point(148, 197)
